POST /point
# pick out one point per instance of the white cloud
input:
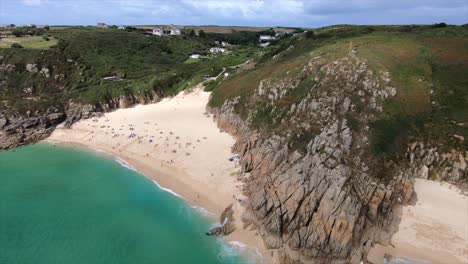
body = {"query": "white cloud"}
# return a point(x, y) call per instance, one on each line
point(234, 12)
point(34, 2)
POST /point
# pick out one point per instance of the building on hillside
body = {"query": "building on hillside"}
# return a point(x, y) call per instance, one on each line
point(121, 27)
point(158, 32)
point(264, 44)
point(266, 37)
point(217, 50)
point(279, 33)
point(225, 43)
point(195, 56)
point(175, 31)
point(102, 25)
point(164, 31)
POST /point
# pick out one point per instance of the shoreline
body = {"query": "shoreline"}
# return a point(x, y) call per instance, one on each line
point(432, 230)
point(178, 146)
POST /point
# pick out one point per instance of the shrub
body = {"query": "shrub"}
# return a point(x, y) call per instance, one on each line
point(439, 25)
point(45, 38)
point(201, 34)
point(310, 34)
point(16, 46)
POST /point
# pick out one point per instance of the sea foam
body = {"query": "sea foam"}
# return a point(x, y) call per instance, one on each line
point(125, 164)
point(232, 248)
point(167, 190)
point(202, 211)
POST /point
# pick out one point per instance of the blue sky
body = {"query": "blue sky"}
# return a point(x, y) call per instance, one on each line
point(308, 13)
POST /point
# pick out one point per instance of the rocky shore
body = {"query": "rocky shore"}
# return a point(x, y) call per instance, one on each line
point(330, 202)
point(326, 199)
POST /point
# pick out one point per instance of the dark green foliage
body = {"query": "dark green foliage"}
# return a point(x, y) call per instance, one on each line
point(236, 37)
point(263, 117)
point(16, 46)
point(190, 32)
point(45, 38)
point(439, 25)
point(201, 34)
point(300, 141)
point(303, 88)
point(353, 122)
point(148, 65)
point(310, 34)
point(391, 135)
point(23, 31)
point(270, 32)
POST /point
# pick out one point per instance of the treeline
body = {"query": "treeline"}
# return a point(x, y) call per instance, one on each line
point(29, 31)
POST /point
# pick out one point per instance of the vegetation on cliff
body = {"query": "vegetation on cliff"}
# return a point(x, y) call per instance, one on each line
point(75, 68)
point(427, 66)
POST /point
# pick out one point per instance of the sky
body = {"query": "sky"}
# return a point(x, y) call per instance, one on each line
point(302, 13)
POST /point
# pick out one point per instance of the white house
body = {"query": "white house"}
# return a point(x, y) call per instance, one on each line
point(164, 31)
point(224, 43)
point(267, 37)
point(217, 50)
point(121, 27)
point(102, 25)
point(175, 31)
point(158, 31)
point(195, 56)
point(264, 44)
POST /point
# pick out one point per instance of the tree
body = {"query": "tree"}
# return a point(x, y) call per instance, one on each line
point(16, 46)
point(310, 34)
point(439, 25)
point(45, 38)
point(46, 27)
point(190, 32)
point(201, 34)
point(17, 32)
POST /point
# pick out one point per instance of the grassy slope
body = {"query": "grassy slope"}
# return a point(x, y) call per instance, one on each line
point(36, 42)
point(427, 65)
point(84, 55)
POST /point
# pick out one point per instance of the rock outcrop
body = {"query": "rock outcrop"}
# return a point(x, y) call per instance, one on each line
point(15, 131)
point(226, 223)
point(325, 197)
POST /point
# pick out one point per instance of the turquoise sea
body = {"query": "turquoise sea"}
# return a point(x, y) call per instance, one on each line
point(65, 205)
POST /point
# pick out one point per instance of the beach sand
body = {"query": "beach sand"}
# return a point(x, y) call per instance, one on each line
point(434, 230)
point(178, 145)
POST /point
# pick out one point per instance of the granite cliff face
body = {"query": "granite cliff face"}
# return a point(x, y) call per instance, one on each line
point(20, 130)
point(317, 192)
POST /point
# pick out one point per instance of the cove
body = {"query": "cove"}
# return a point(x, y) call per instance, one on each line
point(65, 205)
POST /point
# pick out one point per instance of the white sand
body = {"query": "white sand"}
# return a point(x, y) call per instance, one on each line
point(175, 143)
point(434, 230)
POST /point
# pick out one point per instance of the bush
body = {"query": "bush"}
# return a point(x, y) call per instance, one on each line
point(201, 34)
point(310, 34)
point(16, 46)
point(45, 38)
point(439, 25)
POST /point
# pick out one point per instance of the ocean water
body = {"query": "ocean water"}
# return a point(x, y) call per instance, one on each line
point(63, 205)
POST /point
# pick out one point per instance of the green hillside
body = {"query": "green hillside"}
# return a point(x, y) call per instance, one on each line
point(428, 66)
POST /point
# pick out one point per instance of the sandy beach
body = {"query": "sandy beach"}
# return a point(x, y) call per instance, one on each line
point(433, 230)
point(178, 145)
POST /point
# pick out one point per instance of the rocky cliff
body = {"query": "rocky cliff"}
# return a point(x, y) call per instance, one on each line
point(317, 191)
point(29, 115)
point(19, 130)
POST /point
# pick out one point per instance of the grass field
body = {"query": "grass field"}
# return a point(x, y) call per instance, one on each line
point(35, 42)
